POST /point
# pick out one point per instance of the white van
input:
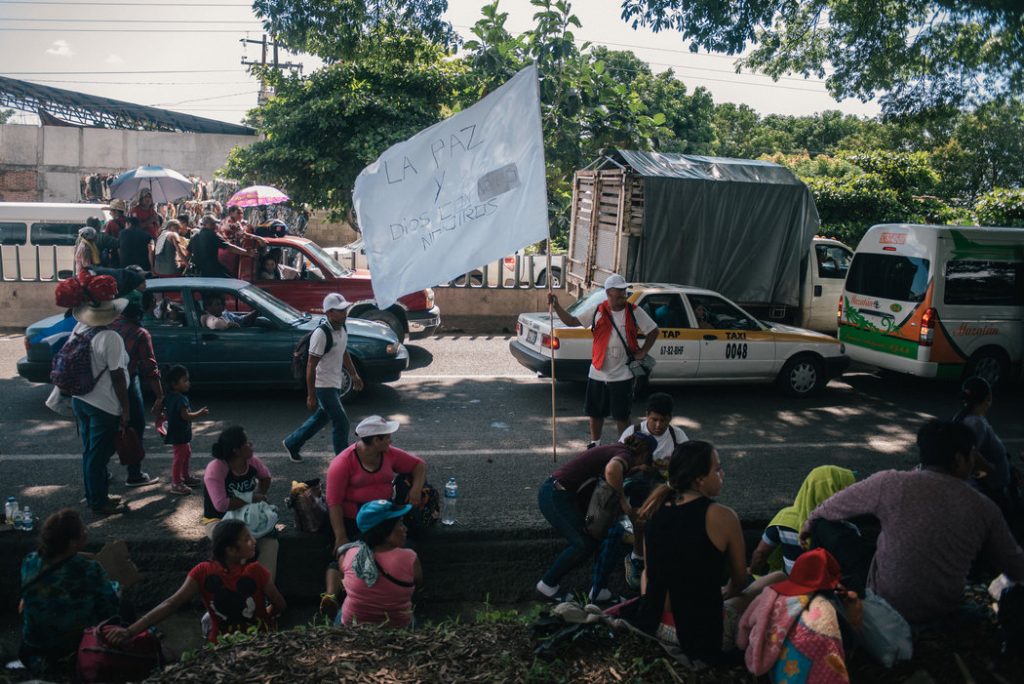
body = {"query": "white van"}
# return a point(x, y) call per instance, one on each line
point(37, 239)
point(937, 301)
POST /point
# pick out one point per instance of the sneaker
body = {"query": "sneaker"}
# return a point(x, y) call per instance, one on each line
point(181, 488)
point(591, 445)
point(548, 591)
point(603, 596)
point(141, 480)
point(111, 507)
point(634, 568)
point(193, 482)
point(293, 454)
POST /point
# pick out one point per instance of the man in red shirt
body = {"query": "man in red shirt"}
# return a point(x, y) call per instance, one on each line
point(115, 225)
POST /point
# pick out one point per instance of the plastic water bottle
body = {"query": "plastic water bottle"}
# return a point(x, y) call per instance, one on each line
point(10, 506)
point(451, 500)
point(27, 523)
point(16, 520)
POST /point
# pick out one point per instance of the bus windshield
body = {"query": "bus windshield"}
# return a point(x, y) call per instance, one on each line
point(888, 276)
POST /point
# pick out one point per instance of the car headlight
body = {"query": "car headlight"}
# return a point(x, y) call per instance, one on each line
point(392, 349)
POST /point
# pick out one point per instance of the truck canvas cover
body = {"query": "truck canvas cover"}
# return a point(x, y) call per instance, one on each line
point(737, 226)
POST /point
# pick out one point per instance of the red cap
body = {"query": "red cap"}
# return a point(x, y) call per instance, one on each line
point(816, 570)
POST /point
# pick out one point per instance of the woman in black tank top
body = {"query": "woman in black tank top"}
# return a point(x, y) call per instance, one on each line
point(690, 541)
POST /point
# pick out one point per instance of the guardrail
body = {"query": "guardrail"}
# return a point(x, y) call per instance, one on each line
point(38, 263)
point(41, 263)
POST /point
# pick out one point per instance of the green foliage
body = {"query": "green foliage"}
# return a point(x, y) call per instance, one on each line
point(322, 130)
point(6, 115)
point(335, 29)
point(921, 53)
point(1001, 207)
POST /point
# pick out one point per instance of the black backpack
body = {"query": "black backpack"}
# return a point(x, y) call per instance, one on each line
point(300, 357)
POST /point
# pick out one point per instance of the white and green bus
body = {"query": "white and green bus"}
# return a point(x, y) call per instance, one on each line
point(937, 301)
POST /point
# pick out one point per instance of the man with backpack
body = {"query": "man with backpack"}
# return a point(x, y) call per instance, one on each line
point(616, 325)
point(326, 353)
point(92, 367)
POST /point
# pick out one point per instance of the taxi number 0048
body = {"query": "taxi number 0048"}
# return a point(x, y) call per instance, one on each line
point(736, 351)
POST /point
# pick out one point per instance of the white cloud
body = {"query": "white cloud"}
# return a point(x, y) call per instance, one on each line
point(60, 48)
point(114, 59)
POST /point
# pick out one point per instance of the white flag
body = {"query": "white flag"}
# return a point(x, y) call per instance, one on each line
point(464, 192)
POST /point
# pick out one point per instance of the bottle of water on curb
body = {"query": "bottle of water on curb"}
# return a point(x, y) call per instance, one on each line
point(10, 506)
point(451, 500)
point(16, 520)
point(27, 523)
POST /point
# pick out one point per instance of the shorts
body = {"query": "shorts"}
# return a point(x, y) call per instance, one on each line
point(609, 398)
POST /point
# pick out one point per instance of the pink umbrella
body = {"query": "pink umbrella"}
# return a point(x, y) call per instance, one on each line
point(257, 196)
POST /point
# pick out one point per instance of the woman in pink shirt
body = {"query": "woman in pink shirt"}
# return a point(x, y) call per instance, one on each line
point(364, 472)
point(379, 575)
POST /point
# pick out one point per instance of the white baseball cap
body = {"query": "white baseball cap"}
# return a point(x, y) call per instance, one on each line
point(375, 425)
point(615, 282)
point(336, 301)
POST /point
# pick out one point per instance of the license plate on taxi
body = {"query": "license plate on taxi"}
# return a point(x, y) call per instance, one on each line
point(531, 337)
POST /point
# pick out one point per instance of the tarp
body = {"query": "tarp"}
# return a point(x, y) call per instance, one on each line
point(739, 227)
point(464, 192)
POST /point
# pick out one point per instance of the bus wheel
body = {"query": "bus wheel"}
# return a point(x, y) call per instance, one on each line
point(989, 363)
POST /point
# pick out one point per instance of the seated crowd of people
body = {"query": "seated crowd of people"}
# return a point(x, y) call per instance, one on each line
point(852, 562)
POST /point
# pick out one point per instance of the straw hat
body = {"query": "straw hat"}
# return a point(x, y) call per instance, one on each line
point(102, 313)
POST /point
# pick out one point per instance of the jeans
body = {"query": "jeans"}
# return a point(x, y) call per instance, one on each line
point(559, 508)
point(136, 421)
point(329, 408)
point(97, 429)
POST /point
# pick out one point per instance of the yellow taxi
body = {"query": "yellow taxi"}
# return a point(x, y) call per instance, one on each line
point(705, 338)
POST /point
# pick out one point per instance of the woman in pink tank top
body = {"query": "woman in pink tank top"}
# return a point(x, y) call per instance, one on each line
point(379, 575)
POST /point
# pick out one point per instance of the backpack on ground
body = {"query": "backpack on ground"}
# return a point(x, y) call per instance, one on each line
point(300, 357)
point(71, 371)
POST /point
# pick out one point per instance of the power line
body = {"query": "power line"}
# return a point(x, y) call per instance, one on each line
point(156, 30)
point(109, 73)
point(149, 20)
point(141, 83)
point(126, 4)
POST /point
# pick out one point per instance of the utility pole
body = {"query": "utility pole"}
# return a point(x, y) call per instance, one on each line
point(265, 91)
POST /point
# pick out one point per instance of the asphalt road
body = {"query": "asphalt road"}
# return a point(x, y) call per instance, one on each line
point(468, 408)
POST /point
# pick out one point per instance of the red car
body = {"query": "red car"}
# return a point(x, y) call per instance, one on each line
point(308, 273)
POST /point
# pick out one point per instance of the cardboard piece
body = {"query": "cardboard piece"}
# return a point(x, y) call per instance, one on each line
point(119, 566)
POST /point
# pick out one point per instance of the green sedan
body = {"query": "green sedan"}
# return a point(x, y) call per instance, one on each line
point(257, 354)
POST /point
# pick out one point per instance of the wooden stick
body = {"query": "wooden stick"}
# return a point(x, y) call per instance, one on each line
point(551, 347)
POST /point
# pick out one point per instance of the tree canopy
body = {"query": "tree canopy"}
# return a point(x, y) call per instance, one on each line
point(918, 53)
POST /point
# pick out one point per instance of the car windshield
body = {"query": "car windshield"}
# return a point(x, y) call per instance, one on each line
point(588, 303)
point(888, 276)
point(268, 303)
point(329, 262)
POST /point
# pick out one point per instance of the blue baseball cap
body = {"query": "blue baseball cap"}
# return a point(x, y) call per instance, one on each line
point(373, 513)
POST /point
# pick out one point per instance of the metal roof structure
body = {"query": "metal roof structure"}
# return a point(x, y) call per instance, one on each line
point(67, 107)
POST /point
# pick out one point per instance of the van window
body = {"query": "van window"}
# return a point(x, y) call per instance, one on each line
point(888, 276)
point(984, 283)
point(12, 233)
point(63, 234)
point(833, 261)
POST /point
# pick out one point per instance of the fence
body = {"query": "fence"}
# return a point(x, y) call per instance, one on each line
point(48, 263)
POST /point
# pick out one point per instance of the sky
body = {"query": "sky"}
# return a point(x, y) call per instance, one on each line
point(186, 55)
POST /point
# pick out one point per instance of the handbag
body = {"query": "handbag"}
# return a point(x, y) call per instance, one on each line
point(98, 661)
point(602, 510)
point(129, 447)
point(307, 501)
point(640, 368)
point(885, 634)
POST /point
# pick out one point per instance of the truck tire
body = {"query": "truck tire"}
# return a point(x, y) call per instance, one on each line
point(990, 363)
point(556, 278)
point(802, 376)
point(388, 318)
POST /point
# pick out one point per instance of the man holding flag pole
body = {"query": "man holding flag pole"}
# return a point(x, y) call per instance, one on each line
point(466, 191)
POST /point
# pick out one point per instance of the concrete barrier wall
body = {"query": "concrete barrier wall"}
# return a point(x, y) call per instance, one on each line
point(471, 310)
point(45, 163)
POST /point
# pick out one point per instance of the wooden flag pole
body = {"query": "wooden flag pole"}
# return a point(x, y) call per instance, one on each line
point(551, 347)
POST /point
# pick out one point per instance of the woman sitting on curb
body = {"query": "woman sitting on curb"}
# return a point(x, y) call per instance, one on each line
point(234, 477)
point(62, 593)
point(234, 588)
point(379, 575)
